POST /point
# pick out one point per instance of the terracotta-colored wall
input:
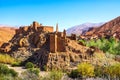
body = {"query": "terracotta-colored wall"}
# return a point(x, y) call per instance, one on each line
point(47, 28)
point(59, 34)
point(40, 29)
point(53, 43)
point(72, 37)
point(60, 44)
point(22, 29)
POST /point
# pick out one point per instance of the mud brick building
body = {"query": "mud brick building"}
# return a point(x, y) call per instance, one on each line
point(36, 35)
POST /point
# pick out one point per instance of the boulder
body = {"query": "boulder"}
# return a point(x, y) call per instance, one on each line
point(6, 47)
point(23, 42)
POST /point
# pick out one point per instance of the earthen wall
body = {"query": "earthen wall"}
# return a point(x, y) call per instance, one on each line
point(53, 43)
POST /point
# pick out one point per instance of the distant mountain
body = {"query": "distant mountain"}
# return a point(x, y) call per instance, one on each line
point(6, 33)
point(4, 25)
point(82, 28)
point(111, 28)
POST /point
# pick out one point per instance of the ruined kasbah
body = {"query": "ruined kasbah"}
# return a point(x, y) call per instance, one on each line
point(44, 47)
point(57, 40)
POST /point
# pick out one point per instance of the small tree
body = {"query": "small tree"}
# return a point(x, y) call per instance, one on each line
point(29, 65)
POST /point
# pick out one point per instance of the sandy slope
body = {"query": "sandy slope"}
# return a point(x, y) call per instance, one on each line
point(6, 33)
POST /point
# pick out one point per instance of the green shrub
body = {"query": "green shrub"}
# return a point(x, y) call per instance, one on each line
point(29, 75)
point(34, 70)
point(99, 71)
point(13, 72)
point(53, 75)
point(56, 75)
point(9, 77)
point(86, 70)
point(4, 70)
point(29, 65)
point(16, 64)
point(45, 68)
point(82, 41)
point(74, 74)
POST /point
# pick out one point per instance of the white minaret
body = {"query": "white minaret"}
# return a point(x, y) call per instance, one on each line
point(56, 27)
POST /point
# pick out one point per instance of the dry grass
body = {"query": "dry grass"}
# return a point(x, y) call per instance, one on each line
point(102, 59)
point(6, 59)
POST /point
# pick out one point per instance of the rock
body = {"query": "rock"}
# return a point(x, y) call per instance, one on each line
point(22, 54)
point(39, 40)
point(6, 47)
point(23, 42)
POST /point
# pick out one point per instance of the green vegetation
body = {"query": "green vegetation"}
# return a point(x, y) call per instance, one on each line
point(4, 70)
point(109, 72)
point(45, 68)
point(56, 75)
point(10, 74)
point(6, 59)
point(30, 69)
point(34, 70)
point(99, 71)
point(113, 71)
point(29, 65)
point(30, 74)
point(53, 75)
point(86, 70)
point(74, 74)
point(111, 45)
point(18, 63)
point(9, 77)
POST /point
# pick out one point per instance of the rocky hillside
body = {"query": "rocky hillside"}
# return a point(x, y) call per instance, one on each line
point(111, 28)
point(82, 28)
point(6, 34)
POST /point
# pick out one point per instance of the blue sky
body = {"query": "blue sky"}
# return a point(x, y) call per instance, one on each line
point(66, 13)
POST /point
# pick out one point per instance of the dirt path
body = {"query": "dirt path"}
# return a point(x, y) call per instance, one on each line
point(17, 69)
point(22, 69)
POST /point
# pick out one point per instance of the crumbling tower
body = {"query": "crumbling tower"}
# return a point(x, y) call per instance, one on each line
point(64, 34)
point(57, 41)
point(35, 25)
point(53, 43)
